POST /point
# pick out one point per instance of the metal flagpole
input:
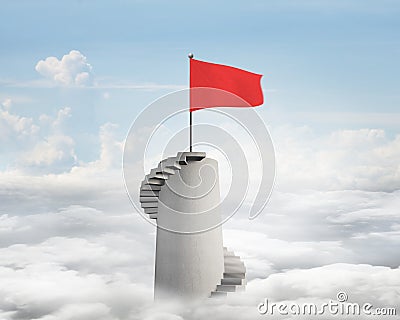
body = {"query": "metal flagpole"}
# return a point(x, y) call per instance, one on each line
point(190, 55)
point(191, 134)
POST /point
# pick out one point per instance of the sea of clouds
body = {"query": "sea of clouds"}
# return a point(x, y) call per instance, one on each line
point(73, 247)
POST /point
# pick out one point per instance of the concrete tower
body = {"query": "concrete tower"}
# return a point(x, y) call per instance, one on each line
point(183, 195)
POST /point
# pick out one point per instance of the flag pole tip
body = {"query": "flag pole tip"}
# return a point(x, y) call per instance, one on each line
point(191, 55)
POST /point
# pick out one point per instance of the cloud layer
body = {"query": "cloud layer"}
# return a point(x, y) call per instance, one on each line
point(73, 248)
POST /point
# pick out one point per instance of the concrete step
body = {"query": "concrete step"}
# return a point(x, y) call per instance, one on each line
point(154, 181)
point(234, 267)
point(186, 157)
point(232, 258)
point(195, 156)
point(229, 254)
point(153, 215)
point(150, 210)
point(218, 294)
point(149, 193)
point(149, 204)
point(170, 163)
point(234, 275)
point(149, 187)
point(233, 281)
point(165, 170)
point(154, 174)
point(225, 288)
point(181, 158)
point(148, 199)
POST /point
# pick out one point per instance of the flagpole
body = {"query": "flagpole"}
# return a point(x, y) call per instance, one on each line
point(191, 134)
point(190, 55)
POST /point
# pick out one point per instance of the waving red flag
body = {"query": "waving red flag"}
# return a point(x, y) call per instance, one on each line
point(244, 85)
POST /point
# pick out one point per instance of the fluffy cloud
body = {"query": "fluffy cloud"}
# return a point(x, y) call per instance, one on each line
point(81, 262)
point(40, 144)
point(72, 69)
point(364, 159)
point(76, 263)
point(362, 283)
point(15, 127)
point(110, 148)
point(72, 246)
point(56, 148)
point(7, 103)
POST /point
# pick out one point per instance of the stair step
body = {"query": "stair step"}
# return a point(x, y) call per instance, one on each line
point(165, 170)
point(185, 157)
point(229, 254)
point(154, 174)
point(149, 187)
point(148, 193)
point(195, 156)
point(232, 281)
point(170, 163)
point(230, 261)
point(181, 157)
point(153, 215)
point(154, 181)
point(239, 275)
point(150, 210)
point(148, 199)
point(232, 258)
point(234, 267)
point(161, 176)
point(149, 204)
point(218, 294)
point(226, 288)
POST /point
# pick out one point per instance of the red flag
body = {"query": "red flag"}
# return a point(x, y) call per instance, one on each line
point(240, 88)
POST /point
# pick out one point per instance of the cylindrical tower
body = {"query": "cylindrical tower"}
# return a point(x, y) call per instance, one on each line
point(189, 254)
point(183, 194)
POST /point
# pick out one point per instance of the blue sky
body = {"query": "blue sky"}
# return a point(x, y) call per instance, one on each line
point(75, 74)
point(316, 56)
point(319, 56)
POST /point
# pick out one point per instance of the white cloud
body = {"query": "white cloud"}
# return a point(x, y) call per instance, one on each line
point(362, 159)
point(55, 149)
point(313, 228)
point(72, 247)
point(43, 146)
point(73, 69)
point(39, 144)
point(15, 127)
point(76, 263)
point(362, 283)
point(163, 316)
point(7, 103)
point(77, 311)
point(41, 290)
point(103, 268)
point(111, 148)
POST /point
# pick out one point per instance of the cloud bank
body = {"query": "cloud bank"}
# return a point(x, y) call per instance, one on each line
point(72, 247)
